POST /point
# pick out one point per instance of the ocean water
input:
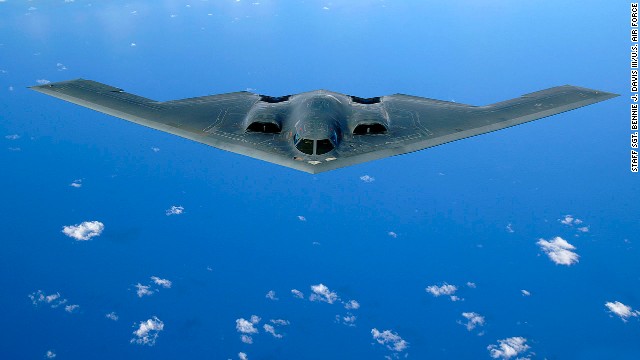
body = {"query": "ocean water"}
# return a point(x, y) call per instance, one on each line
point(436, 247)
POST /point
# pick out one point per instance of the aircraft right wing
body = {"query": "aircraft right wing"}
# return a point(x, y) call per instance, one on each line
point(417, 123)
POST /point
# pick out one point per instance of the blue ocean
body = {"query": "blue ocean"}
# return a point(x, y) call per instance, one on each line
point(124, 242)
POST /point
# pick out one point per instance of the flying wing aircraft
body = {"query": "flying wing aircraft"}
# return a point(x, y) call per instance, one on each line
point(320, 130)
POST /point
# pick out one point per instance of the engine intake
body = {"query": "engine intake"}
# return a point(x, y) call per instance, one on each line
point(369, 129)
point(264, 127)
point(274, 99)
point(365, 101)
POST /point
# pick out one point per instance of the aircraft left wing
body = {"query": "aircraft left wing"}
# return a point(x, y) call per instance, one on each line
point(215, 120)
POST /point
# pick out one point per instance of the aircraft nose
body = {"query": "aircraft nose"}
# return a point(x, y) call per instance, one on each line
point(314, 130)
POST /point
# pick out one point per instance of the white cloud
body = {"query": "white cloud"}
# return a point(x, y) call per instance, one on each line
point(471, 284)
point(112, 316)
point(148, 331)
point(50, 354)
point(525, 293)
point(302, 218)
point(53, 300)
point(12, 137)
point(391, 340)
point(133, 44)
point(508, 348)
point(50, 298)
point(349, 319)
point(71, 308)
point(246, 327)
point(392, 234)
point(473, 320)
point(162, 282)
point(143, 290)
point(155, 149)
point(10, 88)
point(297, 293)
point(352, 305)
point(622, 310)
point(559, 251)
point(271, 330)
point(367, 178)
point(43, 81)
point(322, 293)
point(175, 210)
point(509, 228)
point(61, 67)
point(242, 356)
point(246, 339)
point(147, 290)
point(271, 295)
point(280, 322)
point(444, 289)
point(569, 220)
point(76, 183)
point(84, 231)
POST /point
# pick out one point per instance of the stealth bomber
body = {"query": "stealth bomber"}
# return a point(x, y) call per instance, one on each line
point(320, 130)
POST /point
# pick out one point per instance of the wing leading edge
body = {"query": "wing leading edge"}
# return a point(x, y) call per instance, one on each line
point(415, 123)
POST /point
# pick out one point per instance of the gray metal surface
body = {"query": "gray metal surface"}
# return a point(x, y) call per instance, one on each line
point(331, 130)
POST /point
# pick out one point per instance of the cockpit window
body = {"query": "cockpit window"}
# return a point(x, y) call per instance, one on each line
point(305, 146)
point(313, 147)
point(334, 136)
point(323, 146)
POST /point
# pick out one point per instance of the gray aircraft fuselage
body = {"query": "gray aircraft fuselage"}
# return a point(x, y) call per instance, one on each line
point(315, 122)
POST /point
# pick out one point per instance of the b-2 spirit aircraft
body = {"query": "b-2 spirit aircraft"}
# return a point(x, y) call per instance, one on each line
point(320, 130)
